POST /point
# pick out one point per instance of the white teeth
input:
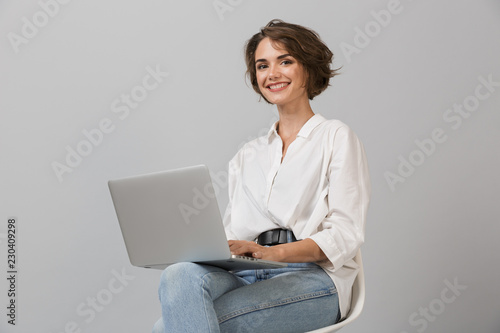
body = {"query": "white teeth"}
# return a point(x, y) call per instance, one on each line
point(277, 86)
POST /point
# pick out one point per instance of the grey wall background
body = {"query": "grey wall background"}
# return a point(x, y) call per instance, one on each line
point(64, 69)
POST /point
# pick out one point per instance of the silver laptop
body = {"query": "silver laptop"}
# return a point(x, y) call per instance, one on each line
point(173, 216)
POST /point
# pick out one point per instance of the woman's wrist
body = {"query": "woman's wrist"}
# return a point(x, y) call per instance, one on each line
point(301, 251)
point(280, 253)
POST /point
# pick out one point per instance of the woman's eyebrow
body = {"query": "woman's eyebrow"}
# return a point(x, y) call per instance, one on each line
point(279, 57)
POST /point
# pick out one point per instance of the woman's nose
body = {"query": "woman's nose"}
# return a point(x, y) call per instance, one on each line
point(273, 73)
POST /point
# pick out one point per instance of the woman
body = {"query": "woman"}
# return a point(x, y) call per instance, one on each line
point(308, 178)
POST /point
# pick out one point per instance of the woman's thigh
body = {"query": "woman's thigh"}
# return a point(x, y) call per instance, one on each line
point(295, 300)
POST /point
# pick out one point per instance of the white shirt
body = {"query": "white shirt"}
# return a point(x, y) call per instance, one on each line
point(320, 191)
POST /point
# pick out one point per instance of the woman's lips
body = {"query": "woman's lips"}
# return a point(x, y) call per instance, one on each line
point(277, 86)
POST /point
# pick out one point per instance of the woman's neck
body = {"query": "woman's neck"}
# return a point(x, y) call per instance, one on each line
point(292, 118)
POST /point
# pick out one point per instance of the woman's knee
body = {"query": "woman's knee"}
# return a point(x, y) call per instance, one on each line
point(176, 274)
point(180, 272)
point(182, 279)
point(176, 270)
point(182, 276)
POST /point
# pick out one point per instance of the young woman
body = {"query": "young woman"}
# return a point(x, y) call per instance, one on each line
point(306, 181)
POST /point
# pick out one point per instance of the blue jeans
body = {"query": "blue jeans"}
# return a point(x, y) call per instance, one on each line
point(202, 298)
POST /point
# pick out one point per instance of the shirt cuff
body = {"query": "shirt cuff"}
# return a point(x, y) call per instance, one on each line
point(327, 245)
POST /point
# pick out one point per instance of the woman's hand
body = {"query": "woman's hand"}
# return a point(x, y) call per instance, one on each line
point(305, 250)
point(252, 249)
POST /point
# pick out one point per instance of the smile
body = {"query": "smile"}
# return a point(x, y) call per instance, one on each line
point(278, 86)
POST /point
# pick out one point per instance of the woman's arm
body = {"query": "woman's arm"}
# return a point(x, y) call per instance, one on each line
point(301, 251)
point(342, 230)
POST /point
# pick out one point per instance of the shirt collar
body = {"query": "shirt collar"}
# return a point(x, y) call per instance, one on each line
point(304, 131)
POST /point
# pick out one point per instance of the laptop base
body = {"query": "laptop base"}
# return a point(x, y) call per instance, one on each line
point(236, 263)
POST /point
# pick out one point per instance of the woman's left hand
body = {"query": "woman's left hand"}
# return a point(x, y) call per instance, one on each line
point(252, 249)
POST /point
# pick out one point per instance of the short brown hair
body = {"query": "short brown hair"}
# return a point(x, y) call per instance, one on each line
point(304, 45)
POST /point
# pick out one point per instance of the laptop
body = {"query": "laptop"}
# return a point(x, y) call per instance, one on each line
point(173, 216)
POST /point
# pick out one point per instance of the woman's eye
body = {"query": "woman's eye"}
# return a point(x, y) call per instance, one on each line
point(286, 62)
point(261, 66)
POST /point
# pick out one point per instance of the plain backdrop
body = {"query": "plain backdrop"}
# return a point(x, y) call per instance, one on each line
point(412, 88)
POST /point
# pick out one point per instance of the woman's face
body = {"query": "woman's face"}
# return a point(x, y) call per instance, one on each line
point(280, 77)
